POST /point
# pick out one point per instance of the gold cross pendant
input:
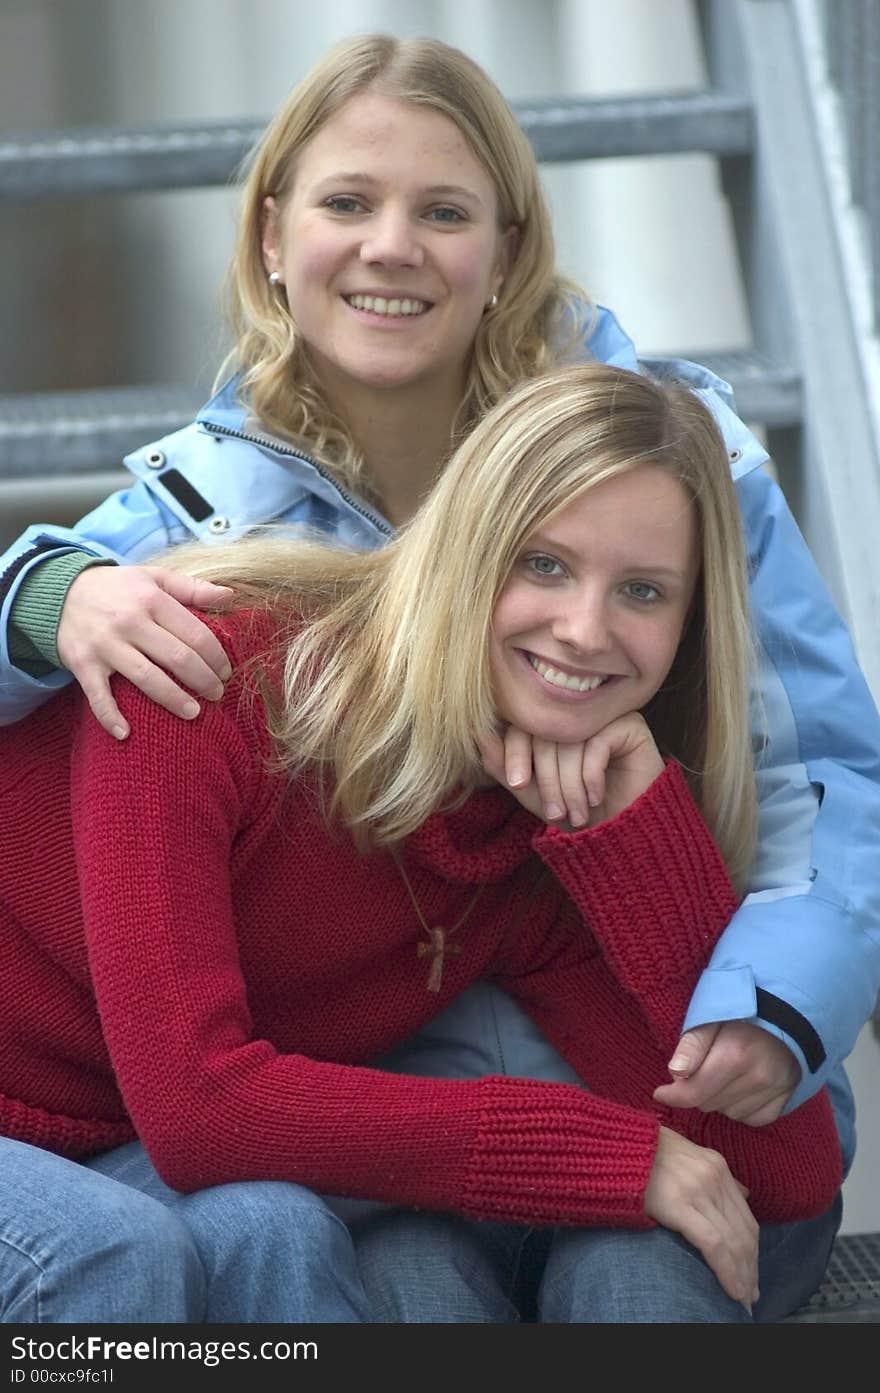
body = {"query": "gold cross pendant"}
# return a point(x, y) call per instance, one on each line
point(438, 948)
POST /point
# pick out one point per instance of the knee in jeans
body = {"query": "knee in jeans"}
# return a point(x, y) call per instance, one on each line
point(274, 1213)
point(135, 1258)
point(145, 1230)
point(628, 1275)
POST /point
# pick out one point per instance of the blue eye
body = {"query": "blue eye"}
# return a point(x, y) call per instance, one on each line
point(643, 591)
point(343, 203)
point(543, 565)
point(446, 215)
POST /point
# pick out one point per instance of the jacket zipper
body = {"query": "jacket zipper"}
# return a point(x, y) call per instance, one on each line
point(353, 503)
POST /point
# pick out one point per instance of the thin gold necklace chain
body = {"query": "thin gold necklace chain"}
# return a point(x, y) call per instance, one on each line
point(438, 945)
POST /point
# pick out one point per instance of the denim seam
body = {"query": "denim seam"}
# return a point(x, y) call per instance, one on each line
point(39, 1264)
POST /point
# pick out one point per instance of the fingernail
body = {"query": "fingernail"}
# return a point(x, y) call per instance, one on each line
point(553, 812)
point(119, 732)
point(678, 1063)
point(225, 673)
point(216, 692)
point(747, 1307)
point(190, 709)
point(517, 777)
point(576, 817)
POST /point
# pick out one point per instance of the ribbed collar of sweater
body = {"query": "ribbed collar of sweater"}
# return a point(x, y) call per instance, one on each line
point(482, 841)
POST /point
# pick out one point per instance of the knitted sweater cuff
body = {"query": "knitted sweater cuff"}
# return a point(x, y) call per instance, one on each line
point(593, 1171)
point(36, 610)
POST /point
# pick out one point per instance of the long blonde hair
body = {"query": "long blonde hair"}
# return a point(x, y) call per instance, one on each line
point(540, 314)
point(387, 683)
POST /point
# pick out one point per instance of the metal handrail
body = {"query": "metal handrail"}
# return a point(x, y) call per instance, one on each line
point(79, 163)
point(852, 37)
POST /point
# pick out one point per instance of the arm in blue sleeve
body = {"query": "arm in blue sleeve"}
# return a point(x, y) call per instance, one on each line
point(801, 957)
point(128, 526)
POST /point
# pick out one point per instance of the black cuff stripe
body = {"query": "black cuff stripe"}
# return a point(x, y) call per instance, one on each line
point(778, 1012)
point(40, 549)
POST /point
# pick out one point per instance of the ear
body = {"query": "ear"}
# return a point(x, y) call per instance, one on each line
point(271, 235)
point(508, 252)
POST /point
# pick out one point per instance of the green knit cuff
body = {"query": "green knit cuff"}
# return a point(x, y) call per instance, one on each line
point(36, 610)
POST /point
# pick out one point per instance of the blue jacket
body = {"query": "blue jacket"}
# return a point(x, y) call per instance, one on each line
point(801, 957)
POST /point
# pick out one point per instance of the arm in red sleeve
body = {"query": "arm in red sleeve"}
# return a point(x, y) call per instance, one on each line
point(160, 819)
point(652, 888)
point(655, 892)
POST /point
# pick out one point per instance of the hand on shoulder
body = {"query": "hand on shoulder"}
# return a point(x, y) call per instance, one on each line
point(138, 621)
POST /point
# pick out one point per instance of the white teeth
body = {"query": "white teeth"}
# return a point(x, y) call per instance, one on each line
point(565, 679)
point(377, 304)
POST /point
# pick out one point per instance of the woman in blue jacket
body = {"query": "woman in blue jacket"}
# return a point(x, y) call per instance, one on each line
point(394, 275)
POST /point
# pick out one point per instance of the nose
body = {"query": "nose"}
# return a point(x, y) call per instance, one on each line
point(391, 239)
point(582, 623)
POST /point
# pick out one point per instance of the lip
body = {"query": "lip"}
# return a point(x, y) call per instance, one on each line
point(566, 693)
point(566, 667)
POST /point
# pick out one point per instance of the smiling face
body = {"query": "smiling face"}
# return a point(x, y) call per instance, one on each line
point(588, 623)
point(388, 248)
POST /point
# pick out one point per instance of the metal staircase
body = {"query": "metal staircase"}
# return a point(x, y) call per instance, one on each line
point(806, 382)
point(81, 432)
point(792, 117)
point(812, 304)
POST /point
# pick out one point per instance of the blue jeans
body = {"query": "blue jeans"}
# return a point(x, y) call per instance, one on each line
point(107, 1241)
point(420, 1267)
point(435, 1268)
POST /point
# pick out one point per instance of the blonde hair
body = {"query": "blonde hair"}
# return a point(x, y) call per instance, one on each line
point(539, 316)
point(387, 684)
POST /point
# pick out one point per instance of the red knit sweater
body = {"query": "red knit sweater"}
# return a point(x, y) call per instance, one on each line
point(228, 965)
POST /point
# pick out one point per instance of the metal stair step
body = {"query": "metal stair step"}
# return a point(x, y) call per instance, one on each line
point(76, 163)
point(767, 393)
point(851, 1289)
point(68, 433)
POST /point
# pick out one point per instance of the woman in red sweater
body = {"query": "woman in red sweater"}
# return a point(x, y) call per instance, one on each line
point(267, 905)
